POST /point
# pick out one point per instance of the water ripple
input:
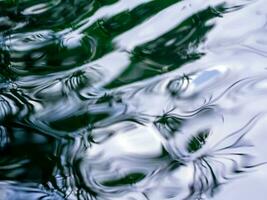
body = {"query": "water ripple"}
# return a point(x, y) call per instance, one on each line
point(140, 99)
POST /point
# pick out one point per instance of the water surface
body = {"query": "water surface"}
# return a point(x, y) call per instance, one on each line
point(133, 99)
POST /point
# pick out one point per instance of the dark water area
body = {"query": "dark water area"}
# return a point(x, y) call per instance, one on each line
point(133, 99)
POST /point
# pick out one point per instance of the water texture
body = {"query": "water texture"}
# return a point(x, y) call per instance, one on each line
point(133, 99)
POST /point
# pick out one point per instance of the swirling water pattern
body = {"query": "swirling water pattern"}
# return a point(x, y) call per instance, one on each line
point(133, 99)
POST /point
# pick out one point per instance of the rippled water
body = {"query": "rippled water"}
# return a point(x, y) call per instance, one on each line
point(133, 99)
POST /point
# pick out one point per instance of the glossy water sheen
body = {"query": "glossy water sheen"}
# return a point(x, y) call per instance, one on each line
point(133, 99)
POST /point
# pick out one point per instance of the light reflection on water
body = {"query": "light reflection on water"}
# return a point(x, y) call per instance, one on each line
point(138, 99)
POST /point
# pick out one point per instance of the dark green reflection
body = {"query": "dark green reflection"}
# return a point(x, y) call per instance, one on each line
point(169, 51)
point(127, 180)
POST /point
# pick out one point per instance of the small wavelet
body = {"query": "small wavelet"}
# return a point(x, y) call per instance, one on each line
point(19, 191)
point(138, 100)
